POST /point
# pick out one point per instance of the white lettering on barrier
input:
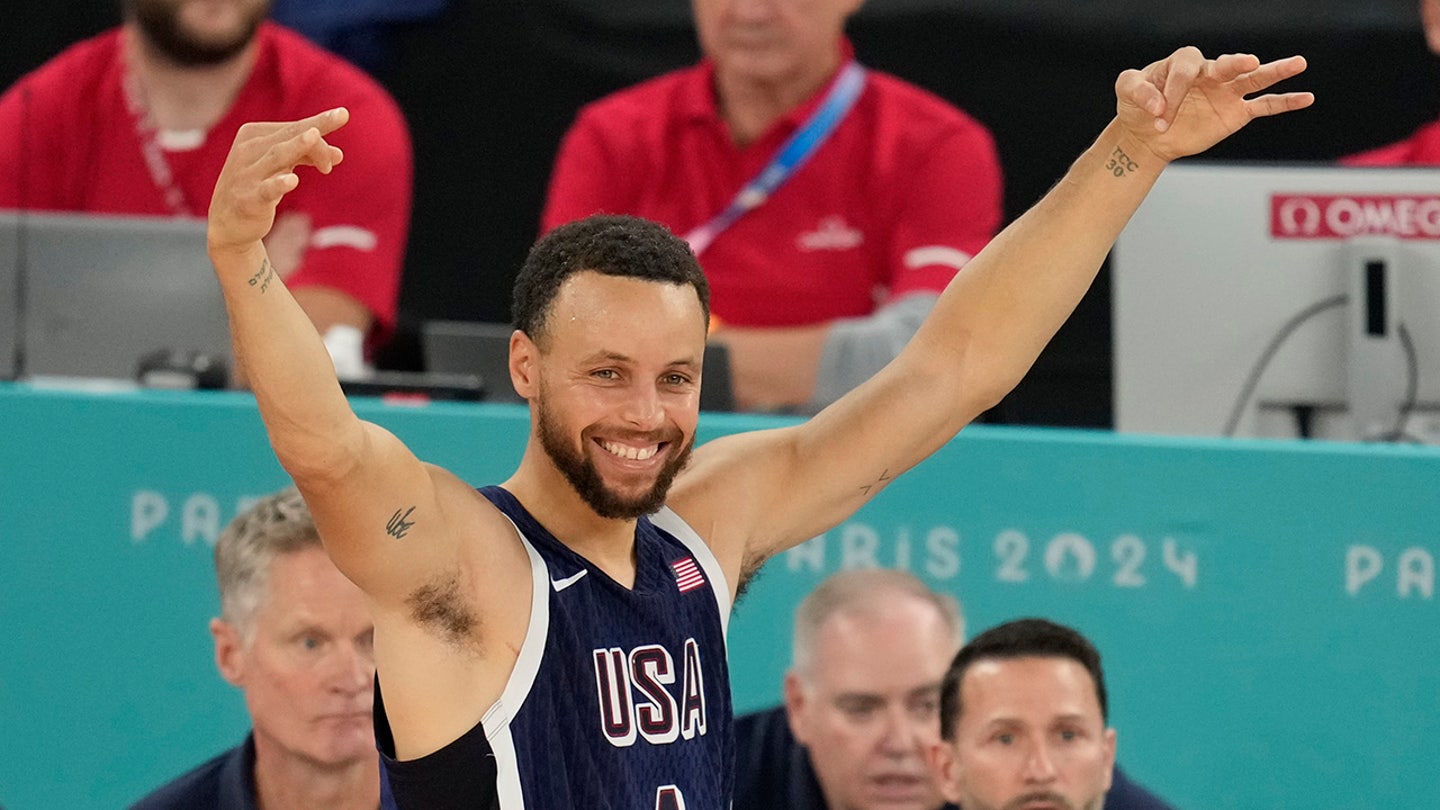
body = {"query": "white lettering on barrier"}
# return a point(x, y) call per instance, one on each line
point(1128, 552)
point(1011, 546)
point(1414, 571)
point(1067, 557)
point(1362, 564)
point(1070, 546)
point(200, 515)
point(859, 546)
point(1183, 564)
point(808, 556)
point(942, 552)
point(148, 509)
point(1417, 572)
point(200, 518)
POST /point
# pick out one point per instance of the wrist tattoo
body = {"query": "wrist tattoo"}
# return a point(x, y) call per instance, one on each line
point(1120, 163)
point(879, 484)
point(398, 525)
point(263, 276)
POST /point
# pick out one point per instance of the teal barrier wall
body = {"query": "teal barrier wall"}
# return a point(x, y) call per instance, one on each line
point(1267, 611)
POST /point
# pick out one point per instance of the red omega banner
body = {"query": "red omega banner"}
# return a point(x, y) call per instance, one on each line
point(1340, 216)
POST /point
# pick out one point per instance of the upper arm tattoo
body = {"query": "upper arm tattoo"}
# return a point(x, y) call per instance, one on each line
point(869, 489)
point(398, 525)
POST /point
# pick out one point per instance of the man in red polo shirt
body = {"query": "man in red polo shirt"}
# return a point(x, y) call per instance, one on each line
point(1423, 147)
point(821, 284)
point(139, 119)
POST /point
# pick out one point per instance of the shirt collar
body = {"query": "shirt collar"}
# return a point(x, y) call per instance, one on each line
point(237, 778)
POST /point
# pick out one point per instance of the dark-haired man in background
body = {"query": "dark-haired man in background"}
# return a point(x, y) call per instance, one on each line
point(1023, 718)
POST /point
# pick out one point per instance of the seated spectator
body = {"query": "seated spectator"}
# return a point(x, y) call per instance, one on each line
point(862, 704)
point(1023, 716)
point(1423, 147)
point(139, 120)
point(295, 635)
point(818, 283)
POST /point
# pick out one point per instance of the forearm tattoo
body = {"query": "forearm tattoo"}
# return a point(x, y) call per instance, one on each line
point(1120, 163)
point(878, 485)
point(398, 525)
point(263, 276)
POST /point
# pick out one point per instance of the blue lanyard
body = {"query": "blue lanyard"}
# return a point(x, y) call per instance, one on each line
point(792, 156)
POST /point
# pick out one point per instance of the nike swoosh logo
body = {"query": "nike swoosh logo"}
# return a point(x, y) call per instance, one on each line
point(562, 584)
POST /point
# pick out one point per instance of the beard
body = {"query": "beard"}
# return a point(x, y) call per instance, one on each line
point(585, 479)
point(159, 21)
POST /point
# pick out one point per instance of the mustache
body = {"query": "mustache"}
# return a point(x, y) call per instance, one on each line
point(662, 435)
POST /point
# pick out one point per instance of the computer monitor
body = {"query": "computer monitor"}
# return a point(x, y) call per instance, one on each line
point(1281, 300)
point(101, 293)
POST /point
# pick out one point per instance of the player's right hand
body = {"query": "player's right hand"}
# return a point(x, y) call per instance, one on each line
point(260, 170)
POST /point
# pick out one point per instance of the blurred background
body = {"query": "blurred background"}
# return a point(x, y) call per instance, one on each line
point(489, 87)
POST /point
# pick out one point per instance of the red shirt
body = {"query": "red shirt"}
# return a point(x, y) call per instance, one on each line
point(903, 192)
point(68, 142)
point(1420, 149)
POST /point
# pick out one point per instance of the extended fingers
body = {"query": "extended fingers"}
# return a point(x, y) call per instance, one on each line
point(263, 138)
point(1230, 66)
point(307, 148)
point(323, 122)
point(1276, 103)
point(1258, 77)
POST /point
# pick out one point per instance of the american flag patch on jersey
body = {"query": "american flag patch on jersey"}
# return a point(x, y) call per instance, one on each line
point(687, 574)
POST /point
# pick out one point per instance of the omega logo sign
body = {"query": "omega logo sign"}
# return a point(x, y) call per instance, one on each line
point(1304, 216)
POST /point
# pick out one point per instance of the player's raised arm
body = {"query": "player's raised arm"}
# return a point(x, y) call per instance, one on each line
point(365, 489)
point(994, 318)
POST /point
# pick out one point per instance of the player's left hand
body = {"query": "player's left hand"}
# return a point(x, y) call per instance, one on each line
point(1185, 103)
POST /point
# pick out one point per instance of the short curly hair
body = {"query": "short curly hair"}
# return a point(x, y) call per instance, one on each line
point(608, 244)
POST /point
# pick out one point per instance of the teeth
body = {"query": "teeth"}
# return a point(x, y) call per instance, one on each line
point(632, 453)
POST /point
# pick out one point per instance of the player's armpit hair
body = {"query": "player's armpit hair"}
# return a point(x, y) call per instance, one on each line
point(441, 608)
point(749, 570)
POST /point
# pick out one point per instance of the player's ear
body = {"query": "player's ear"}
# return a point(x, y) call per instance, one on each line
point(524, 364)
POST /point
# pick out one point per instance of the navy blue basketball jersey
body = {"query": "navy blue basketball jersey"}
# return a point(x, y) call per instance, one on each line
point(620, 697)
